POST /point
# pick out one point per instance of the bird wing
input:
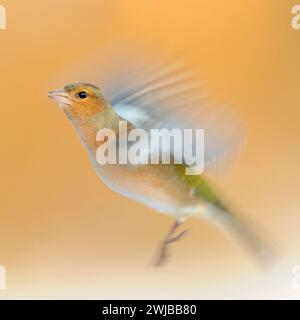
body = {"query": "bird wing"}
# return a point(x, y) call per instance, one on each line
point(153, 91)
point(162, 95)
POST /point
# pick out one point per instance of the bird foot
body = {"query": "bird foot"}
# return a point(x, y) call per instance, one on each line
point(180, 236)
point(163, 251)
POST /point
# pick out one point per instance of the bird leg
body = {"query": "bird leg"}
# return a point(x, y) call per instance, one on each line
point(163, 251)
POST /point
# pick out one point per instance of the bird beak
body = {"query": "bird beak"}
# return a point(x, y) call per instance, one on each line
point(60, 96)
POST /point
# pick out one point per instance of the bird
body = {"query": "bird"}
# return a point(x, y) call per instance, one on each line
point(157, 97)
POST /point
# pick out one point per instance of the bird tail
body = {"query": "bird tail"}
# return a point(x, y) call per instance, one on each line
point(242, 232)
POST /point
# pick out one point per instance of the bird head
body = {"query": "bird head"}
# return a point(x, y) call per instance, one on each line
point(80, 101)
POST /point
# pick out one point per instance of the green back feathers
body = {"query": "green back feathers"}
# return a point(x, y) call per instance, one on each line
point(197, 182)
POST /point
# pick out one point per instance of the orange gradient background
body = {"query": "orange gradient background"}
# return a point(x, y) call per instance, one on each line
point(63, 233)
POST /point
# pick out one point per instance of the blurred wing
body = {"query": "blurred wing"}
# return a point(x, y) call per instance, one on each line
point(153, 95)
point(151, 92)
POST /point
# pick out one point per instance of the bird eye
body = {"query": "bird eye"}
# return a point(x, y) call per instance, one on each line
point(82, 95)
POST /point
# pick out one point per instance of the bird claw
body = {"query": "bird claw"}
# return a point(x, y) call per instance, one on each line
point(164, 247)
point(180, 236)
point(162, 257)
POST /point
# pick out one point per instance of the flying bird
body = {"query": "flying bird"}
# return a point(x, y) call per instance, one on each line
point(162, 97)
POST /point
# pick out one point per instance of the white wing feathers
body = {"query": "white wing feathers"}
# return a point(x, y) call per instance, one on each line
point(151, 95)
point(151, 92)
